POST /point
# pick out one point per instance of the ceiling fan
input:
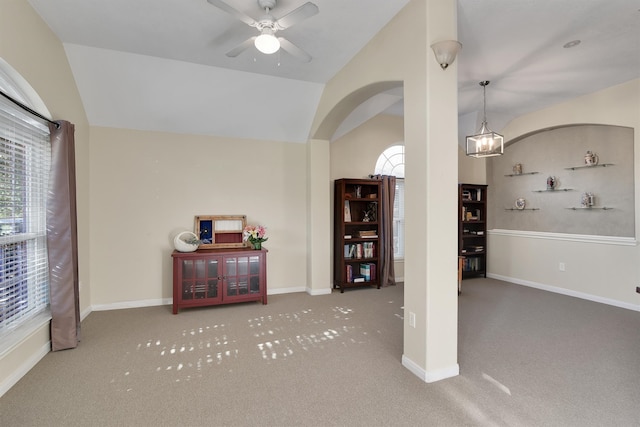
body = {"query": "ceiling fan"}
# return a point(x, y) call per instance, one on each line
point(267, 42)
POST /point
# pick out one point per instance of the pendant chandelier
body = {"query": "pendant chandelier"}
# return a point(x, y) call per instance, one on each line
point(485, 143)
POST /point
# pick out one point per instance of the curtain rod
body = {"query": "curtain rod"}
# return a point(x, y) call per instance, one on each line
point(29, 110)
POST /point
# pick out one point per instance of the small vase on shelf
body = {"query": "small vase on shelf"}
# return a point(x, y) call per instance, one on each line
point(256, 245)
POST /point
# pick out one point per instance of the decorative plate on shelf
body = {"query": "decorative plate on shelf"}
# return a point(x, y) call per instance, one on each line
point(520, 203)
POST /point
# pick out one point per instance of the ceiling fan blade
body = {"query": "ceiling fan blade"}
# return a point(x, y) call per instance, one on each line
point(294, 50)
point(241, 47)
point(230, 10)
point(305, 11)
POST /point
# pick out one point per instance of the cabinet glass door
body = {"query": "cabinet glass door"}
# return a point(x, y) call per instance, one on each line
point(242, 276)
point(199, 279)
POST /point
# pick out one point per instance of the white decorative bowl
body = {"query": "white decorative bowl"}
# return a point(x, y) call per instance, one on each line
point(180, 242)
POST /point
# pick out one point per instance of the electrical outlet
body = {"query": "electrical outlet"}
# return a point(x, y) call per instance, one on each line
point(412, 319)
point(561, 266)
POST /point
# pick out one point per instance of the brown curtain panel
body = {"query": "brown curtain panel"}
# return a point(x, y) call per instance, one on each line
point(62, 240)
point(385, 253)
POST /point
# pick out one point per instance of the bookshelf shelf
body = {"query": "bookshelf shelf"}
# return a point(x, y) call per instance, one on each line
point(356, 233)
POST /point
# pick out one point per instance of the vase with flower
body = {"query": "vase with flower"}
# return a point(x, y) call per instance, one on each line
point(255, 235)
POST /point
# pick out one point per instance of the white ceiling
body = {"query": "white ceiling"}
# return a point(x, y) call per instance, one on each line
point(161, 64)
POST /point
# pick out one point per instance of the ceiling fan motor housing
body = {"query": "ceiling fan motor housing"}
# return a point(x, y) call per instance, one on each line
point(267, 4)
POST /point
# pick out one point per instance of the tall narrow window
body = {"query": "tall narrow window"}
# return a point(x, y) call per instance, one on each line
point(391, 162)
point(24, 174)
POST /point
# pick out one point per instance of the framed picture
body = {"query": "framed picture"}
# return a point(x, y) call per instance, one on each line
point(220, 231)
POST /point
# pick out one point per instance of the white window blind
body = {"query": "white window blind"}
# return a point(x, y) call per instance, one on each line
point(398, 220)
point(25, 158)
point(391, 162)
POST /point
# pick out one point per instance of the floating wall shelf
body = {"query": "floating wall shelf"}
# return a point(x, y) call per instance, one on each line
point(589, 208)
point(523, 173)
point(603, 165)
point(554, 190)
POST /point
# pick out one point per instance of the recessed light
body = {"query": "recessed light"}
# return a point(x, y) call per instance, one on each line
point(572, 43)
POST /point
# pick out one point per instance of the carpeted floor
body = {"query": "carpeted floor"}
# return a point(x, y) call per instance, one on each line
point(527, 358)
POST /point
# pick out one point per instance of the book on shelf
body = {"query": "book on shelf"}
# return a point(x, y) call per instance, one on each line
point(349, 273)
point(360, 250)
point(369, 249)
point(472, 195)
point(347, 236)
point(367, 234)
point(368, 270)
point(358, 278)
point(472, 264)
point(365, 271)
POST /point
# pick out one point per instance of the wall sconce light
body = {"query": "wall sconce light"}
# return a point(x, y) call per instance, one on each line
point(486, 143)
point(446, 52)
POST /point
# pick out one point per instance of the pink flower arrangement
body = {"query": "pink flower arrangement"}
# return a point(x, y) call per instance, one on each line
point(254, 234)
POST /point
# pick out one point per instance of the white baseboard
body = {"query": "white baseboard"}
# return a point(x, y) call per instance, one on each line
point(84, 313)
point(132, 304)
point(430, 376)
point(25, 367)
point(315, 292)
point(168, 301)
point(563, 291)
point(285, 290)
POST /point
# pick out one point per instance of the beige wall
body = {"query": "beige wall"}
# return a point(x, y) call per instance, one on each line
point(146, 186)
point(470, 169)
point(29, 46)
point(354, 155)
point(601, 269)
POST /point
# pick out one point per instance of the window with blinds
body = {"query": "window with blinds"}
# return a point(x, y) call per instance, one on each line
point(25, 158)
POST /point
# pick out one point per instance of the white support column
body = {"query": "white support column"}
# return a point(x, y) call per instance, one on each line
point(319, 230)
point(431, 143)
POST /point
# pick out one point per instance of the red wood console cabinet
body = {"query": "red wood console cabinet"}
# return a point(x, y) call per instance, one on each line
point(218, 276)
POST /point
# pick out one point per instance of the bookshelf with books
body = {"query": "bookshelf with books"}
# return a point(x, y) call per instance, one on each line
point(472, 229)
point(356, 233)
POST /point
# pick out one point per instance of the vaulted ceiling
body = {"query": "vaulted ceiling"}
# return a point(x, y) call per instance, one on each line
point(161, 64)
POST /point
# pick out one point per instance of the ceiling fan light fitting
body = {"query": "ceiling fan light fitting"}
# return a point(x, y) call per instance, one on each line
point(266, 42)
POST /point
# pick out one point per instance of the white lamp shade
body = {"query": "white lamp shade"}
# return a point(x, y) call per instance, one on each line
point(446, 52)
point(266, 42)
